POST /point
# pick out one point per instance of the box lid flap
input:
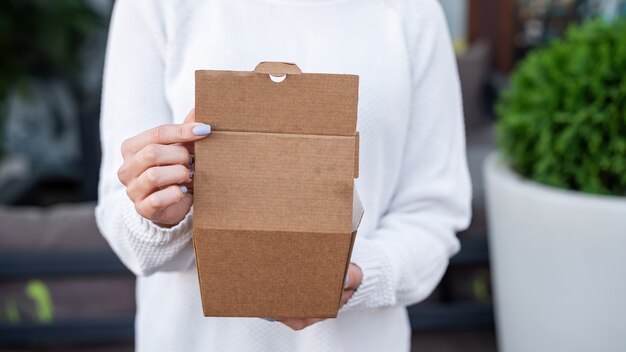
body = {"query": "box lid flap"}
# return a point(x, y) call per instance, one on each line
point(302, 103)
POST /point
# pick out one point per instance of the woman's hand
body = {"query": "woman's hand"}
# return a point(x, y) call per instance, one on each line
point(353, 281)
point(157, 170)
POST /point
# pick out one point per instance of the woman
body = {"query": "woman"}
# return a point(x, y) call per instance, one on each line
point(413, 181)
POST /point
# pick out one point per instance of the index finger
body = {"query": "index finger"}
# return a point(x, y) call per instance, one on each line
point(166, 134)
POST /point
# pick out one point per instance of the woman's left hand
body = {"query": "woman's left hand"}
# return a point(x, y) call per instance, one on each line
point(353, 281)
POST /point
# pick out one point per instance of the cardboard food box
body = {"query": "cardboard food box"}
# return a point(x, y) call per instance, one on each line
point(275, 210)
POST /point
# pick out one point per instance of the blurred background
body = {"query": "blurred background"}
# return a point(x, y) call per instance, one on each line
point(61, 287)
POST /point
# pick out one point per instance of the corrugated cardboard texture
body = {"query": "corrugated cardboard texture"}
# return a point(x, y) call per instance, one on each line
point(273, 192)
point(272, 273)
point(302, 103)
point(275, 182)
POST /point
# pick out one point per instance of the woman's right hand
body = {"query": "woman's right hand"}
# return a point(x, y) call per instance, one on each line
point(157, 170)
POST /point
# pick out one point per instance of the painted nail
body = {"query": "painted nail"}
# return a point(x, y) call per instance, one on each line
point(271, 320)
point(347, 281)
point(183, 188)
point(192, 159)
point(201, 130)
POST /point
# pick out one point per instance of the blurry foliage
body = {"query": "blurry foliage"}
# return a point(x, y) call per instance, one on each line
point(563, 120)
point(36, 303)
point(40, 39)
point(39, 293)
point(481, 287)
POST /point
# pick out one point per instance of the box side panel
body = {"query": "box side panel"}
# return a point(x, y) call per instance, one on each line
point(271, 274)
point(357, 142)
point(302, 104)
point(274, 182)
point(197, 246)
point(348, 259)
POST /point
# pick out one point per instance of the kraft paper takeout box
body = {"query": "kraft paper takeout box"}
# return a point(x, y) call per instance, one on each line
point(275, 210)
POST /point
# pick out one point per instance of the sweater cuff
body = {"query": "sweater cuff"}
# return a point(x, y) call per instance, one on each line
point(376, 289)
point(146, 231)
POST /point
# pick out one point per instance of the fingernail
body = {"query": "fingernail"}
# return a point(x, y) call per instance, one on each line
point(347, 281)
point(191, 173)
point(183, 188)
point(201, 130)
point(271, 320)
point(192, 159)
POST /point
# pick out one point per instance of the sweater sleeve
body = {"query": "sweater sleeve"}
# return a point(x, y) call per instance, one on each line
point(406, 256)
point(133, 100)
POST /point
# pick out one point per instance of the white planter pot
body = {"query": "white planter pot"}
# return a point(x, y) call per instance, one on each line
point(558, 262)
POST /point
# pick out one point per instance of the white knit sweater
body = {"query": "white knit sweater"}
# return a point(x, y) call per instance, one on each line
point(413, 181)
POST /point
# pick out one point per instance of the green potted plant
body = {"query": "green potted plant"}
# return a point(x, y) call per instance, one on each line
point(556, 196)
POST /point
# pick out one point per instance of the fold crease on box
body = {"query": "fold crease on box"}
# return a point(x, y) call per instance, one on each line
point(275, 208)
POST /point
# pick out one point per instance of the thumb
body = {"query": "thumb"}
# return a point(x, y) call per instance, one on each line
point(191, 116)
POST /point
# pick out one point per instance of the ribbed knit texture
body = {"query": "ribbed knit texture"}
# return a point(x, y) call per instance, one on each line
point(413, 181)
